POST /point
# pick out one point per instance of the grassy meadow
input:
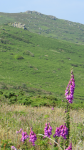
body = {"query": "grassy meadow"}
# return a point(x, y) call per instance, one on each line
point(14, 117)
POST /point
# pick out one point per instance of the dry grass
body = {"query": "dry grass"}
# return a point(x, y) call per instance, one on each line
point(14, 117)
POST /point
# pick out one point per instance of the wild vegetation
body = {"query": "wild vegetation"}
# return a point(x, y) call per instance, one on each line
point(34, 72)
point(39, 64)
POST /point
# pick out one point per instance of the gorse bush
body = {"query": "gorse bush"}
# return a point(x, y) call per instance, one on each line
point(22, 98)
point(18, 57)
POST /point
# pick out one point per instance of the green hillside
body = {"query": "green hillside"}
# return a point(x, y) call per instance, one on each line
point(46, 25)
point(33, 62)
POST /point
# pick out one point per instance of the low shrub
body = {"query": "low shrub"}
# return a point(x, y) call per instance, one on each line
point(18, 57)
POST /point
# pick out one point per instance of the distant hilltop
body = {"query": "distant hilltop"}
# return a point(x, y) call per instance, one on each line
point(38, 13)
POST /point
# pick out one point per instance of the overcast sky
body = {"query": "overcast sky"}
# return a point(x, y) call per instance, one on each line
point(72, 10)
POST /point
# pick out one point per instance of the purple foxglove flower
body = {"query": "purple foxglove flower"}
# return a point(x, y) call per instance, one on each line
point(70, 89)
point(19, 131)
point(70, 147)
point(24, 136)
point(61, 131)
point(47, 130)
point(32, 137)
point(52, 108)
point(22, 139)
point(13, 148)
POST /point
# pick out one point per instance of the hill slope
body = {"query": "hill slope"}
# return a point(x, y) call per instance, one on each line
point(31, 60)
point(49, 26)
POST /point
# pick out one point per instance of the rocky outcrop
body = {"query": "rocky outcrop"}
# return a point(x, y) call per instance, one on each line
point(31, 12)
point(19, 25)
point(28, 12)
point(52, 17)
point(37, 13)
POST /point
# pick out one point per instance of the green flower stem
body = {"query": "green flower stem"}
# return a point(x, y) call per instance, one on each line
point(68, 123)
point(51, 140)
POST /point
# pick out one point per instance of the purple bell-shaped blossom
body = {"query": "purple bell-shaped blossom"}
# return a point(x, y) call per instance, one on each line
point(32, 137)
point(70, 89)
point(61, 131)
point(24, 136)
point(47, 130)
point(19, 131)
point(13, 148)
